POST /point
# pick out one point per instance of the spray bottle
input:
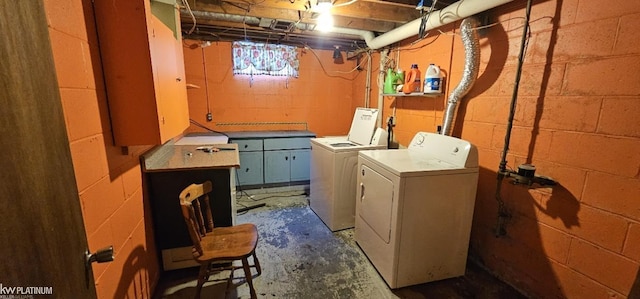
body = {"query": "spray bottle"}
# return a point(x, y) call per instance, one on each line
point(391, 81)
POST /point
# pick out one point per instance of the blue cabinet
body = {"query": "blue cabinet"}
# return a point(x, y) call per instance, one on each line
point(277, 167)
point(286, 165)
point(286, 159)
point(273, 157)
point(300, 164)
point(251, 162)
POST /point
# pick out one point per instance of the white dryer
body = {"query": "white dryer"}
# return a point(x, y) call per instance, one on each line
point(414, 208)
point(334, 163)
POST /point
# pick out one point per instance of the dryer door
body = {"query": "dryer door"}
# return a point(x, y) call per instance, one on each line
point(376, 202)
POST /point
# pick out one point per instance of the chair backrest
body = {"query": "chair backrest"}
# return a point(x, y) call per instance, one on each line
point(194, 202)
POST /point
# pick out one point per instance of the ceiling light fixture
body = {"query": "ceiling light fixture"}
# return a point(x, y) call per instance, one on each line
point(325, 22)
point(324, 6)
point(325, 19)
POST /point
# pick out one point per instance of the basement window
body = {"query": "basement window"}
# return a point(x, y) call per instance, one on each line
point(265, 59)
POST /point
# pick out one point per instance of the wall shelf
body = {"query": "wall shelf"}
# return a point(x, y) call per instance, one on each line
point(413, 94)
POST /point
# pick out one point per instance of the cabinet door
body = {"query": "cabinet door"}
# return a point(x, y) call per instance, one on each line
point(142, 60)
point(250, 171)
point(168, 67)
point(276, 166)
point(300, 164)
point(287, 143)
point(248, 145)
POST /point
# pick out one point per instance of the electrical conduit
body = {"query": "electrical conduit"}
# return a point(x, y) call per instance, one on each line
point(503, 213)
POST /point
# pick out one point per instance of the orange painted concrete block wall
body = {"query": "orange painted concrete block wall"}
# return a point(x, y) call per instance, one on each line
point(109, 183)
point(321, 99)
point(577, 119)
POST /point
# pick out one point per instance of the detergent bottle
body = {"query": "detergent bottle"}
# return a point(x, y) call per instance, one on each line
point(412, 80)
point(433, 80)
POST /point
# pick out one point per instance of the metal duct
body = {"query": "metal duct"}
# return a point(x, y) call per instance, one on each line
point(223, 17)
point(469, 74)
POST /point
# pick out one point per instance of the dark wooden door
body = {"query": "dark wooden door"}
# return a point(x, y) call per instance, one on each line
point(42, 237)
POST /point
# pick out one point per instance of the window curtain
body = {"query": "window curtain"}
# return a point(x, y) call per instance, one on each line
point(264, 59)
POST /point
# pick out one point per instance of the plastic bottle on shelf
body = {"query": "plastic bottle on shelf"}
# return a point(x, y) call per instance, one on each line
point(433, 80)
point(412, 80)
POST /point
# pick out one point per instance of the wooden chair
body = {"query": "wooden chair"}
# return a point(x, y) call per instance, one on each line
point(217, 244)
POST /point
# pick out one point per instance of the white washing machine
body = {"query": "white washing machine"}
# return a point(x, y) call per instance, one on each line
point(334, 162)
point(414, 208)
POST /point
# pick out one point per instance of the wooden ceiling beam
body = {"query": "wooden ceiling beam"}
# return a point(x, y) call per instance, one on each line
point(233, 19)
point(371, 10)
point(292, 16)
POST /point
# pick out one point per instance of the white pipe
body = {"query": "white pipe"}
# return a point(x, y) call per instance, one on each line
point(367, 36)
point(454, 12)
point(367, 88)
point(383, 58)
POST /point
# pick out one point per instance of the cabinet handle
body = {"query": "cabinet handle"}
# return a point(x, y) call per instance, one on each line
point(361, 191)
point(286, 158)
point(246, 145)
point(178, 79)
point(246, 170)
point(293, 158)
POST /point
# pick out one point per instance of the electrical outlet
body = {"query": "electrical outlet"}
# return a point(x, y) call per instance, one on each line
point(209, 116)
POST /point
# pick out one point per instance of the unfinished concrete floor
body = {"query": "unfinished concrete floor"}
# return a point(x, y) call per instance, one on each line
point(302, 258)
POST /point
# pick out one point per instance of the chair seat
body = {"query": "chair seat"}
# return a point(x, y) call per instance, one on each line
point(225, 243)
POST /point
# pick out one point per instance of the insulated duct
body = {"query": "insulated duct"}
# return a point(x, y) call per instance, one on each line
point(214, 16)
point(471, 44)
point(454, 12)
